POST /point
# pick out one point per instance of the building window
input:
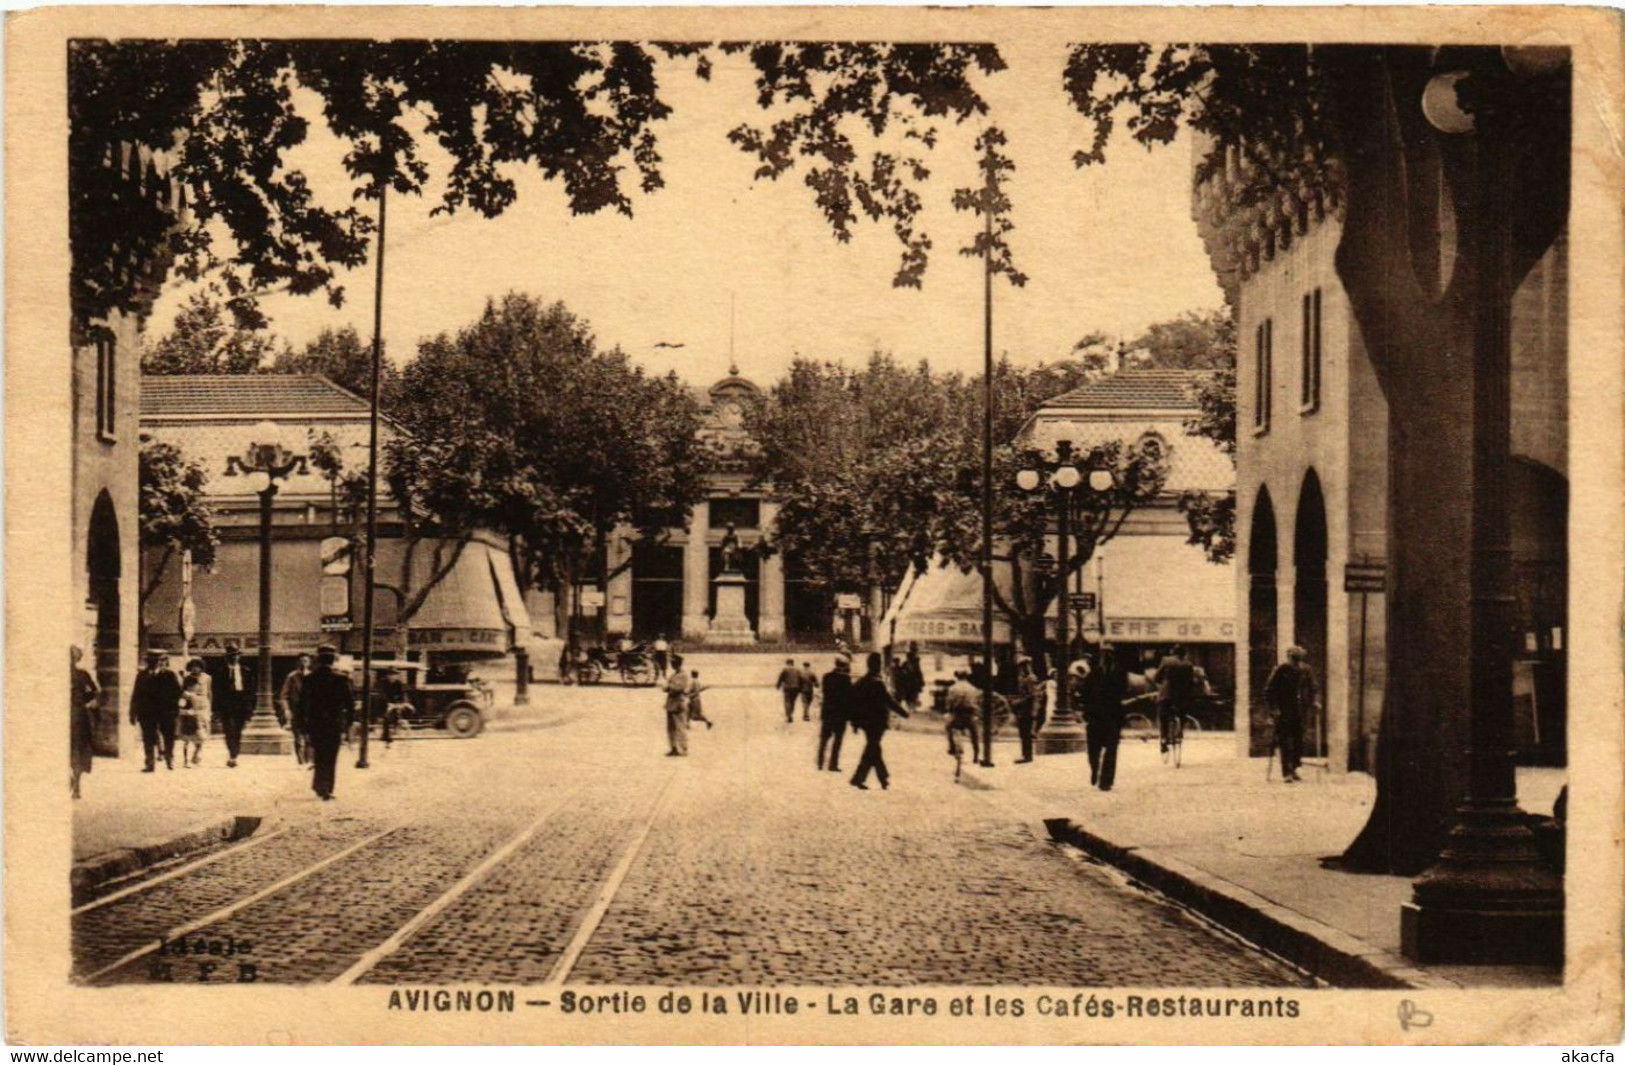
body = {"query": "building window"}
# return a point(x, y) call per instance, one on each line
point(106, 387)
point(1264, 354)
point(1309, 393)
point(742, 513)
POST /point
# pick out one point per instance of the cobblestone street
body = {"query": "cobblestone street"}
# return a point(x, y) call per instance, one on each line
point(582, 854)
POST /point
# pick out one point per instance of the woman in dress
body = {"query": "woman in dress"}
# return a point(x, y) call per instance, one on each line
point(197, 691)
point(84, 694)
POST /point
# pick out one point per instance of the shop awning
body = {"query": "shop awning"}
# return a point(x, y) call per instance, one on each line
point(1160, 589)
point(470, 611)
point(943, 606)
point(1154, 589)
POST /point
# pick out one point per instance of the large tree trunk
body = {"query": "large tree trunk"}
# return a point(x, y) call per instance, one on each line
point(1421, 766)
point(1420, 330)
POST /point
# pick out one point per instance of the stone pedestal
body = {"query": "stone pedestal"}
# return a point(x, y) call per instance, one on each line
point(1063, 733)
point(1490, 900)
point(262, 734)
point(729, 625)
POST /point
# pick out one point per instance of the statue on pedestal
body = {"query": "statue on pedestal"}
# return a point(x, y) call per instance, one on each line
point(730, 550)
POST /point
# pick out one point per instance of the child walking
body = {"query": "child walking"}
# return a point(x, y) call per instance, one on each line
point(696, 709)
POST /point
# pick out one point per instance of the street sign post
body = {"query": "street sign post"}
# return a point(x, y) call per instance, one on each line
point(1365, 576)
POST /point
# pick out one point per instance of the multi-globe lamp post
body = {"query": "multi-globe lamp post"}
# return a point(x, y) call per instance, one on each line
point(266, 461)
point(1064, 731)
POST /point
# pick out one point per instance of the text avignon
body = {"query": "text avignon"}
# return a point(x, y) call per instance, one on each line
point(447, 1001)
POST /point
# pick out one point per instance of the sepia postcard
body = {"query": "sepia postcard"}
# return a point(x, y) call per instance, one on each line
point(813, 525)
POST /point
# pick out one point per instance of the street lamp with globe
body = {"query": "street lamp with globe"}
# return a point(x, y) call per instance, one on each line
point(1064, 730)
point(266, 461)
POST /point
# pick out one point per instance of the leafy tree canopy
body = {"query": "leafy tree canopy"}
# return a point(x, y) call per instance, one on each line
point(521, 424)
point(204, 340)
point(174, 510)
point(342, 356)
point(861, 118)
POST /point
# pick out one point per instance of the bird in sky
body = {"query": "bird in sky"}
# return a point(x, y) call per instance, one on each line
point(668, 344)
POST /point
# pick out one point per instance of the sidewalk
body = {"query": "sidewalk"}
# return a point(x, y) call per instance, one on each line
point(1245, 852)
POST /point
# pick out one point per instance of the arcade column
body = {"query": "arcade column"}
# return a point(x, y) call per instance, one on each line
point(697, 575)
point(770, 621)
point(618, 597)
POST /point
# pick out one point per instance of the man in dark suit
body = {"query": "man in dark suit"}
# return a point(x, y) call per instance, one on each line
point(155, 703)
point(1291, 693)
point(1029, 704)
point(1103, 692)
point(234, 692)
point(789, 685)
point(833, 713)
point(326, 701)
point(870, 707)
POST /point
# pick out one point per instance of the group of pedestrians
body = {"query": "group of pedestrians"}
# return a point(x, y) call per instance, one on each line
point(170, 707)
point(180, 709)
point(865, 705)
point(797, 686)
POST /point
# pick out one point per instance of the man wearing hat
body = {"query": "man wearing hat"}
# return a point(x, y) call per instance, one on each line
point(833, 713)
point(234, 692)
point(1029, 705)
point(1290, 692)
point(155, 703)
point(326, 701)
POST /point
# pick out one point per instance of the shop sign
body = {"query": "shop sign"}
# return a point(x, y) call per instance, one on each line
point(848, 601)
point(1202, 630)
point(457, 639)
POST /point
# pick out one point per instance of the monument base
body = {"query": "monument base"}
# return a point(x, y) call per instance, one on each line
point(729, 625)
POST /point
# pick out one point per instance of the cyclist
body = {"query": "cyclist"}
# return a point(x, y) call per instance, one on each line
point(1176, 694)
point(964, 703)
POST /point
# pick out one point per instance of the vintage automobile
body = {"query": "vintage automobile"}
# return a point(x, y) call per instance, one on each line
point(405, 704)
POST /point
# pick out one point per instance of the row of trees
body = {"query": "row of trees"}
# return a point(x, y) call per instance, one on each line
point(877, 469)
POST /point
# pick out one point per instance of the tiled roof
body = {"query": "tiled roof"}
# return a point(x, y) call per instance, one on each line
point(242, 395)
point(1133, 390)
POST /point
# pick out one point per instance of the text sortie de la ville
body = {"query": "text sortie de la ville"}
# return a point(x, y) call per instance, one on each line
point(1084, 1004)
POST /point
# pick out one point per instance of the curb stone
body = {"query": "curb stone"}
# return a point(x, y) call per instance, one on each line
point(97, 870)
point(1319, 949)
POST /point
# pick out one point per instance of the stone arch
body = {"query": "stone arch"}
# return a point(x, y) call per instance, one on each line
point(104, 571)
point(1309, 591)
point(1262, 614)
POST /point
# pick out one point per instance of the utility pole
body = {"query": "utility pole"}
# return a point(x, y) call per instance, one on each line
point(989, 191)
point(369, 556)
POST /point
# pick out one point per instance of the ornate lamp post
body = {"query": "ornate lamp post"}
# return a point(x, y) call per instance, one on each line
point(1489, 898)
point(1064, 730)
point(265, 461)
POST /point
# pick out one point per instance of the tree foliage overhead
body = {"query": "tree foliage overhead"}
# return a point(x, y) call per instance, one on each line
point(521, 424)
point(227, 114)
point(862, 116)
point(174, 509)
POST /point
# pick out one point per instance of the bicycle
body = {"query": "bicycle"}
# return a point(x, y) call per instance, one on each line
point(1171, 731)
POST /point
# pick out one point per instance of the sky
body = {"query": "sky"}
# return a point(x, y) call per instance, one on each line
point(717, 262)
